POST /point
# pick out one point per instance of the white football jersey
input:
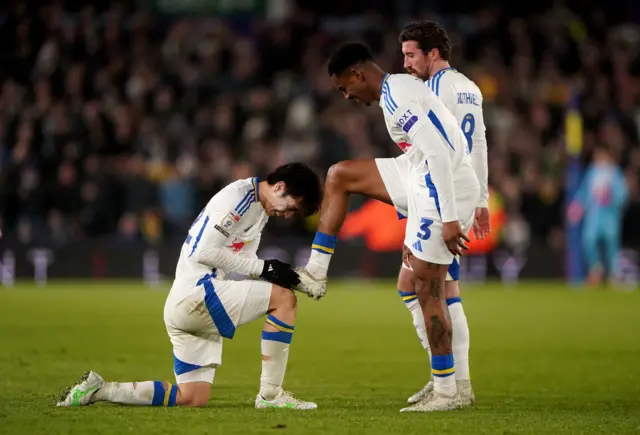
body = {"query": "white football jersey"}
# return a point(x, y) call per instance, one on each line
point(411, 109)
point(232, 220)
point(463, 98)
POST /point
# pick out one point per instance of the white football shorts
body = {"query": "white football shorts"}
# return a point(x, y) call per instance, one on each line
point(415, 197)
point(198, 316)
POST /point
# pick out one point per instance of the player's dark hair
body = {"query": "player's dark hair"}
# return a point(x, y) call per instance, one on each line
point(428, 35)
point(301, 183)
point(348, 55)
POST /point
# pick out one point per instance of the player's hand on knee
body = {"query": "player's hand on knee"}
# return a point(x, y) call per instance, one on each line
point(454, 238)
point(279, 273)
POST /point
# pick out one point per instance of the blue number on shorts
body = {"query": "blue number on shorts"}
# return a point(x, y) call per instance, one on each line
point(189, 238)
point(425, 232)
point(468, 127)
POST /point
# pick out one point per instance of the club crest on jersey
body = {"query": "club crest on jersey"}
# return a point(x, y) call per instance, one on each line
point(407, 120)
point(230, 220)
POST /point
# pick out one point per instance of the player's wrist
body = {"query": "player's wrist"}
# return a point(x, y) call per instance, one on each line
point(257, 267)
point(448, 218)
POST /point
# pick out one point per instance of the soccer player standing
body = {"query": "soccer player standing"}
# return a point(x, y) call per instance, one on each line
point(426, 47)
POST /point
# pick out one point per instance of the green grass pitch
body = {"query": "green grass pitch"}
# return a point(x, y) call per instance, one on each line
point(544, 359)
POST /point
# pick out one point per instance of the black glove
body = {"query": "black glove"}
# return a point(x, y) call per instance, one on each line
point(279, 273)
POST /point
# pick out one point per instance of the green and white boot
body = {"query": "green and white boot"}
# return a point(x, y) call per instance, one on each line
point(80, 394)
point(285, 400)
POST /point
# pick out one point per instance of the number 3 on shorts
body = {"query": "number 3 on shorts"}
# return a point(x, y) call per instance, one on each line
point(425, 232)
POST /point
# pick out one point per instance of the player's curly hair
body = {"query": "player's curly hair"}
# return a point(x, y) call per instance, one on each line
point(428, 35)
point(302, 183)
point(347, 55)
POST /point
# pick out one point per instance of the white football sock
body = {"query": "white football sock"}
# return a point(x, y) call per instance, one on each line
point(444, 380)
point(149, 393)
point(318, 264)
point(275, 346)
point(321, 252)
point(460, 340)
point(273, 369)
point(418, 323)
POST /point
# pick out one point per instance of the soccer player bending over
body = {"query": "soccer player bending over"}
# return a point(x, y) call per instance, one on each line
point(203, 306)
point(434, 182)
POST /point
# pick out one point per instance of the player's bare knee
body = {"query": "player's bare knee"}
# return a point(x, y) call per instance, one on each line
point(451, 289)
point(336, 176)
point(191, 397)
point(282, 299)
point(405, 280)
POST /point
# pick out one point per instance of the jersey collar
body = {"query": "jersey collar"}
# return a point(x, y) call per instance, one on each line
point(256, 188)
point(382, 86)
point(442, 71)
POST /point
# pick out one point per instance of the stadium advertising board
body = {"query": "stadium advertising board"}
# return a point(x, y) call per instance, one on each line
point(156, 264)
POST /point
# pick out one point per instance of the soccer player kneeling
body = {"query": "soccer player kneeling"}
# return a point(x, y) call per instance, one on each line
point(204, 306)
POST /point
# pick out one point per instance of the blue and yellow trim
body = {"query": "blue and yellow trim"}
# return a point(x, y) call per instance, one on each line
point(408, 296)
point(324, 243)
point(164, 396)
point(442, 366)
point(443, 373)
point(284, 332)
point(322, 249)
point(278, 324)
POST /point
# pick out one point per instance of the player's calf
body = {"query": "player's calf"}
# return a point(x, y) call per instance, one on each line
point(276, 340)
point(430, 288)
point(92, 388)
point(407, 292)
point(343, 179)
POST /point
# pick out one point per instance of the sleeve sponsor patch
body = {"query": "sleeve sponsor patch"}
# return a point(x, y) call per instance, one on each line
point(230, 220)
point(407, 120)
point(407, 126)
point(219, 228)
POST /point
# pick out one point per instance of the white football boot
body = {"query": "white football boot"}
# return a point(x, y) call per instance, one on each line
point(434, 401)
point(422, 393)
point(80, 394)
point(465, 393)
point(313, 287)
point(284, 400)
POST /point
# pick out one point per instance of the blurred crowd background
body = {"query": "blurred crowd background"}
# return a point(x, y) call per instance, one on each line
point(120, 123)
